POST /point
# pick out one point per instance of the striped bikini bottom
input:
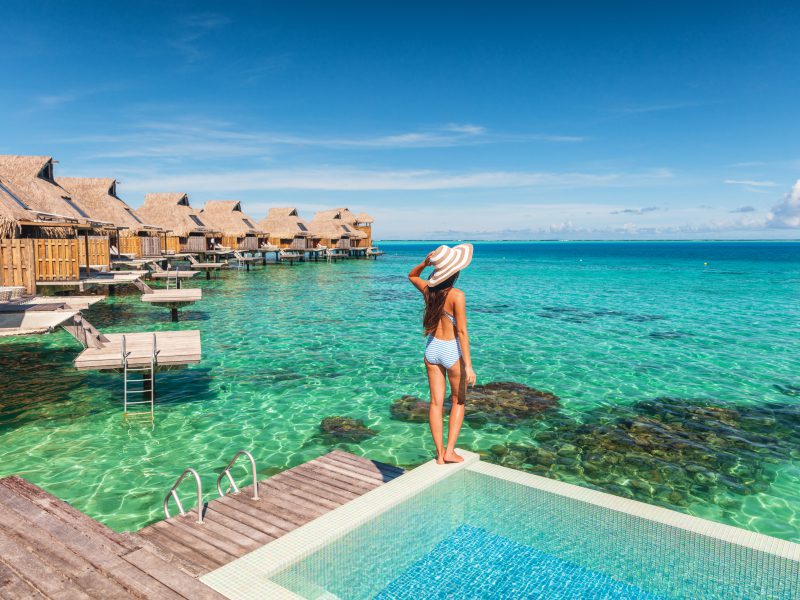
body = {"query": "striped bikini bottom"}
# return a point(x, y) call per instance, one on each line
point(442, 352)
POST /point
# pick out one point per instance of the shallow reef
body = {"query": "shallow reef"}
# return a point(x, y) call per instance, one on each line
point(503, 402)
point(666, 451)
point(345, 429)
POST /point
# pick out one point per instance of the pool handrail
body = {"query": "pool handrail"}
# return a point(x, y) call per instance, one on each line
point(226, 472)
point(174, 494)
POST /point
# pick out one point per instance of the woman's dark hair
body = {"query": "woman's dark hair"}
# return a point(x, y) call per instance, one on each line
point(434, 304)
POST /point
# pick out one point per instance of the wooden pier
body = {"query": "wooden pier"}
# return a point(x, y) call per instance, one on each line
point(236, 524)
point(48, 549)
point(174, 348)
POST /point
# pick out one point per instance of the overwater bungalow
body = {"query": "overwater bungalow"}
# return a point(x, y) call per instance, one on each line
point(288, 231)
point(43, 214)
point(339, 228)
point(129, 234)
point(239, 231)
point(172, 212)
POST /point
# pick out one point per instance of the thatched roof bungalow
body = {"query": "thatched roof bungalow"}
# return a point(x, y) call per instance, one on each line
point(288, 230)
point(17, 220)
point(98, 198)
point(35, 186)
point(335, 228)
point(239, 231)
point(172, 212)
point(36, 207)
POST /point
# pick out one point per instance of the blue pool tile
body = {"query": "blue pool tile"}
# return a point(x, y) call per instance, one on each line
point(472, 564)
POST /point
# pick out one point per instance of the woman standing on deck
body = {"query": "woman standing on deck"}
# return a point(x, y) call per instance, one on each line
point(447, 353)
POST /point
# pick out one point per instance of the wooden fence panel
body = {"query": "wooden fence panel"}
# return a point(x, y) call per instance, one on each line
point(171, 243)
point(17, 264)
point(195, 243)
point(151, 246)
point(248, 243)
point(56, 259)
point(130, 245)
point(98, 251)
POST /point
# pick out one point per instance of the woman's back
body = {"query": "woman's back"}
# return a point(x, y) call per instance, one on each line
point(446, 329)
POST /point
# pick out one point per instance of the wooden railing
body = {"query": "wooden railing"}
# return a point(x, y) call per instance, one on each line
point(17, 264)
point(140, 246)
point(248, 243)
point(57, 259)
point(98, 251)
point(195, 243)
point(171, 244)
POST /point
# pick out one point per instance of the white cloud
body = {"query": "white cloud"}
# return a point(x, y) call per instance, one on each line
point(199, 139)
point(751, 183)
point(356, 179)
point(786, 215)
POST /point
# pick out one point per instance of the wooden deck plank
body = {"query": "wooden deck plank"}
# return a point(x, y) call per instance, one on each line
point(38, 573)
point(178, 582)
point(194, 563)
point(64, 511)
point(257, 524)
point(13, 585)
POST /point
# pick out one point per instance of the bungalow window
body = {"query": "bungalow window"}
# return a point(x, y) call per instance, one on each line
point(249, 223)
point(47, 172)
point(13, 196)
point(301, 227)
point(196, 220)
point(346, 228)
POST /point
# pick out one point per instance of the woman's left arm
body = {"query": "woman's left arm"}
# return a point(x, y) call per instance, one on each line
point(463, 336)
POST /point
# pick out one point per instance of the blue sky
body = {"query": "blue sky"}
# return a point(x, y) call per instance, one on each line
point(449, 119)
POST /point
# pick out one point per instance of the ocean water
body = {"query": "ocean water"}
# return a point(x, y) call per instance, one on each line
point(676, 365)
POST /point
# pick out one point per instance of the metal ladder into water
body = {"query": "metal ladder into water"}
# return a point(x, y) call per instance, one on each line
point(201, 506)
point(147, 381)
point(175, 280)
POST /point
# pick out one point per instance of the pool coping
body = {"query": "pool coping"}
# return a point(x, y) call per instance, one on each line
point(249, 576)
point(727, 533)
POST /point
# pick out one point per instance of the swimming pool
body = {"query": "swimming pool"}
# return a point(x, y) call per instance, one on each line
point(479, 530)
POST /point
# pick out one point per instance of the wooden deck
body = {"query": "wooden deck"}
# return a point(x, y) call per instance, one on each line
point(175, 348)
point(173, 296)
point(48, 549)
point(236, 524)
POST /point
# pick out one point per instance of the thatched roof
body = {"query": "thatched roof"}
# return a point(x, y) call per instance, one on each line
point(32, 178)
point(98, 198)
point(172, 211)
point(14, 213)
point(336, 223)
point(363, 217)
point(227, 217)
point(285, 223)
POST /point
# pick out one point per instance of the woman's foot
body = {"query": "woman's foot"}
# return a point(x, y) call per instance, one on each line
point(452, 457)
point(439, 459)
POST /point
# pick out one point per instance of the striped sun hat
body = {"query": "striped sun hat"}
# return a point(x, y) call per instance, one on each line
point(448, 261)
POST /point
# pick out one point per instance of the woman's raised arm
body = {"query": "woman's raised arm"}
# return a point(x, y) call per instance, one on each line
point(414, 275)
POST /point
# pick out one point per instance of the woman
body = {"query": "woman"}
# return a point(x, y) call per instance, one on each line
point(447, 353)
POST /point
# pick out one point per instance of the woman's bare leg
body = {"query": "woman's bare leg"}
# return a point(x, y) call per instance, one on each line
point(438, 385)
point(458, 392)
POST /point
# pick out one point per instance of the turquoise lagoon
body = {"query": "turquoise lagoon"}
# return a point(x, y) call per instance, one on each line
point(677, 366)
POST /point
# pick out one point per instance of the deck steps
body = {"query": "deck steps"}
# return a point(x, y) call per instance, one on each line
point(48, 549)
point(235, 524)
